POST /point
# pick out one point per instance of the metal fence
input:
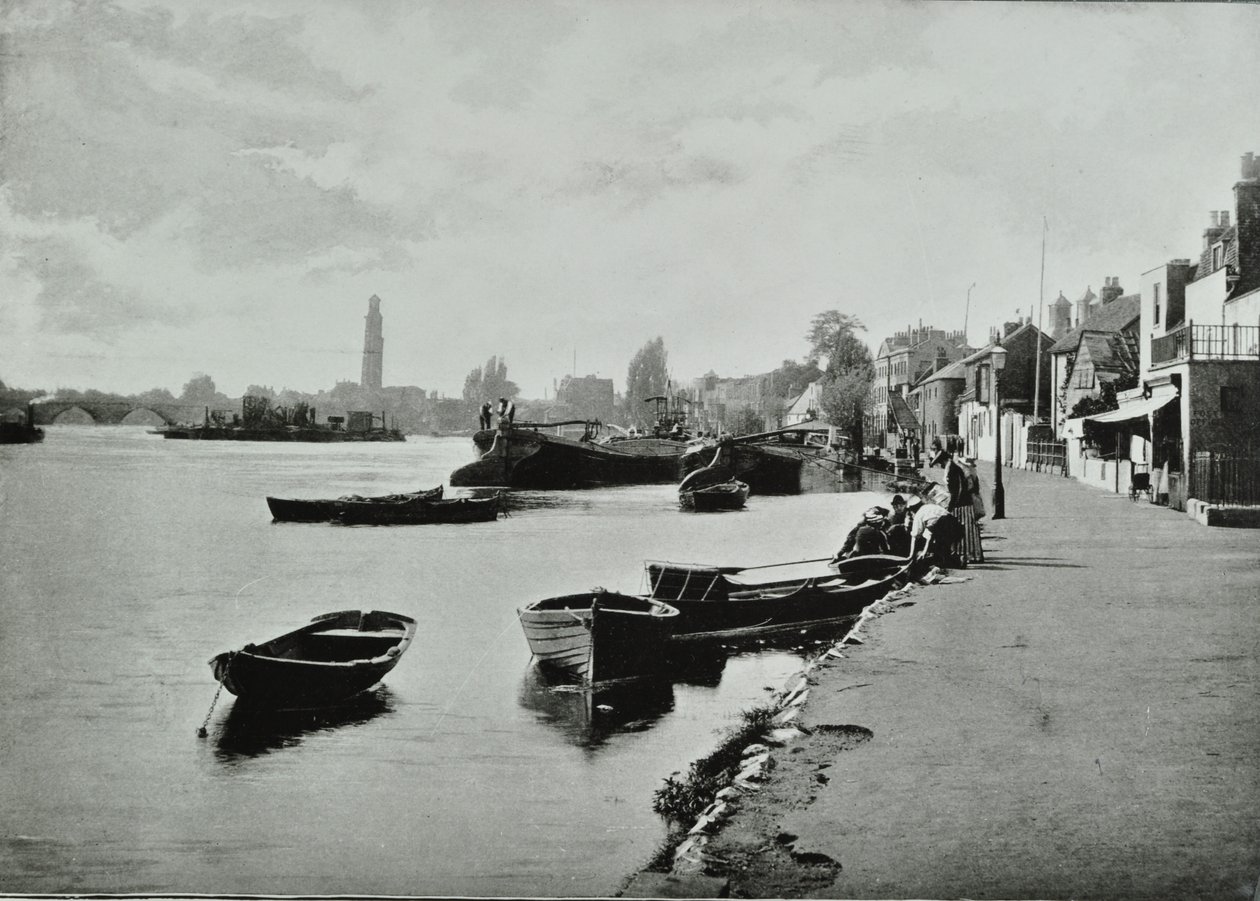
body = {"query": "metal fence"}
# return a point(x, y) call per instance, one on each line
point(1047, 456)
point(1226, 477)
point(1207, 342)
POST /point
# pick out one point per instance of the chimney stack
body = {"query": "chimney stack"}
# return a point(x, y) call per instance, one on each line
point(1247, 226)
point(1224, 218)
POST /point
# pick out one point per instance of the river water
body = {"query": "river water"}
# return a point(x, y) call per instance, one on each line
point(128, 561)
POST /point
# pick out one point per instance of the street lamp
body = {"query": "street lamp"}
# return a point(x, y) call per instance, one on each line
point(997, 362)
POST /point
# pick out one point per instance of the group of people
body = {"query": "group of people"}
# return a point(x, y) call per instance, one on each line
point(944, 529)
point(506, 411)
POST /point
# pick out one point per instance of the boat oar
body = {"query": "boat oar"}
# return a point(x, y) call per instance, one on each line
point(789, 563)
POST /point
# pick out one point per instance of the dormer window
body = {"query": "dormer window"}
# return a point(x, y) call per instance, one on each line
point(1218, 256)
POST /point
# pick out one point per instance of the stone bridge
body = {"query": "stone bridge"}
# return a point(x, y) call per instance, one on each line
point(110, 412)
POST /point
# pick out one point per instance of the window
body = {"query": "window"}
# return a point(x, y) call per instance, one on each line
point(1218, 256)
point(1232, 399)
point(1083, 377)
point(1157, 286)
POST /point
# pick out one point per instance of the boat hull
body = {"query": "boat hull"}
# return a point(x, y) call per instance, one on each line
point(731, 602)
point(284, 509)
point(528, 459)
point(424, 512)
point(779, 469)
point(598, 636)
point(730, 495)
point(331, 659)
point(319, 435)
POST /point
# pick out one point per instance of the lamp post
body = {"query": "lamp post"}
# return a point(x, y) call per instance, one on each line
point(997, 362)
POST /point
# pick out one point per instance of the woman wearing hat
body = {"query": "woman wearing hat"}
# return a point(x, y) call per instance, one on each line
point(867, 537)
point(963, 485)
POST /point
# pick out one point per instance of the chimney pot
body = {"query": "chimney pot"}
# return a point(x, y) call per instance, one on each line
point(1249, 166)
point(1216, 219)
point(1224, 218)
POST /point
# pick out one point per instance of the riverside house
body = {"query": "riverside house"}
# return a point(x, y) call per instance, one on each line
point(1198, 399)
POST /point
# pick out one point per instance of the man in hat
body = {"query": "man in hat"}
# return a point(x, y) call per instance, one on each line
point(899, 528)
point(867, 537)
point(484, 421)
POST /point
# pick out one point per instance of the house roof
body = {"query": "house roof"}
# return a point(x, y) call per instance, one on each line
point(1112, 351)
point(1229, 241)
point(955, 370)
point(1111, 317)
point(1006, 339)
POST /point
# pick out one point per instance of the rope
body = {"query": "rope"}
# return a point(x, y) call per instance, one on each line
point(201, 731)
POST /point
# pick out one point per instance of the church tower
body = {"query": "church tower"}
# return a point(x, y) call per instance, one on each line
point(373, 346)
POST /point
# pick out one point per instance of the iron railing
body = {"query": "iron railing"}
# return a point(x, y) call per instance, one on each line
point(1207, 342)
point(1226, 477)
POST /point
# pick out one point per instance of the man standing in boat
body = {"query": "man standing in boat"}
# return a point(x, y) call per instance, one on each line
point(507, 411)
point(484, 420)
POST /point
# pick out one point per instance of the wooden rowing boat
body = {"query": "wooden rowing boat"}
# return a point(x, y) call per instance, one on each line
point(728, 601)
point(598, 635)
point(286, 509)
point(422, 512)
point(332, 658)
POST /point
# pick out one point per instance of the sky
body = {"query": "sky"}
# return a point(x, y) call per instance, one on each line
point(188, 187)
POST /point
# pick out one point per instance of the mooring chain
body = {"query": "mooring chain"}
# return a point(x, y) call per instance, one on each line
point(201, 731)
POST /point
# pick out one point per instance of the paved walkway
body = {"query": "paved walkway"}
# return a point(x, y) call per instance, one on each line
point(1079, 719)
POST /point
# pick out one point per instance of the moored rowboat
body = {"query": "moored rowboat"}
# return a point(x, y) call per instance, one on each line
point(332, 658)
point(285, 509)
point(447, 510)
point(598, 635)
point(730, 602)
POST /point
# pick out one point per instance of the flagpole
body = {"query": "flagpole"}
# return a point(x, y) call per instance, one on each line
point(1041, 298)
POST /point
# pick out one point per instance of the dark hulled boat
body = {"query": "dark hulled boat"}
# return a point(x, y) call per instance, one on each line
point(332, 658)
point(21, 431)
point(421, 512)
point(730, 494)
point(285, 509)
point(730, 602)
point(598, 635)
point(524, 456)
point(260, 421)
point(805, 458)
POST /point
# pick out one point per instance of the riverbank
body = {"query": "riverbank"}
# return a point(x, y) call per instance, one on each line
point(1076, 719)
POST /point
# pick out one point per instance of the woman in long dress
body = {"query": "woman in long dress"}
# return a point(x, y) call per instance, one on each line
point(964, 491)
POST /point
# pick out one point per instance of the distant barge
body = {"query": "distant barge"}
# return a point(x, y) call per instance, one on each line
point(259, 421)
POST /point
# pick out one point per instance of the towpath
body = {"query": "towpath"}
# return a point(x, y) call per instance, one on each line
point(1080, 718)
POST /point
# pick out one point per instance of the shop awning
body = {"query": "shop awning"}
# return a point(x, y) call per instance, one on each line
point(1160, 395)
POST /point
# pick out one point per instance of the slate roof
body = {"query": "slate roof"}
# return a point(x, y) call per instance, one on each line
point(1112, 351)
point(1112, 317)
point(955, 370)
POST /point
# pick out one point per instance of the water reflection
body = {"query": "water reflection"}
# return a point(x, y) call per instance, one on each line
point(587, 717)
point(248, 732)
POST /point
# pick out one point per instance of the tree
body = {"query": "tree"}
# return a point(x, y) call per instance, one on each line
point(833, 337)
point(261, 391)
point(199, 389)
point(489, 383)
point(850, 370)
point(790, 379)
point(746, 422)
point(648, 376)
